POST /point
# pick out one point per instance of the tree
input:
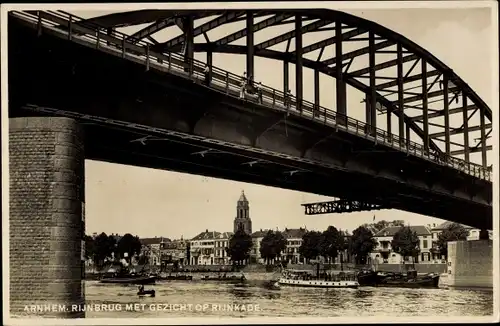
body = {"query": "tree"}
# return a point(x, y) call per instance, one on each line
point(331, 242)
point(311, 245)
point(380, 225)
point(143, 260)
point(454, 232)
point(128, 244)
point(89, 247)
point(104, 247)
point(272, 245)
point(240, 245)
point(361, 244)
point(406, 243)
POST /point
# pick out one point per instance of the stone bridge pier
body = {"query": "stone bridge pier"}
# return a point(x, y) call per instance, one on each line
point(46, 216)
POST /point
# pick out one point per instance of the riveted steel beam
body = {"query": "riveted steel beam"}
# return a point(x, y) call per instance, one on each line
point(150, 30)
point(446, 114)
point(458, 131)
point(286, 77)
point(299, 80)
point(383, 65)
point(400, 84)
point(359, 52)
point(408, 79)
point(482, 142)
point(287, 36)
point(261, 25)
point(465, 129)
point(372, 98)
point(316, 92)
point(470, 150)
point(332, 40)
point(441, 113)
point(341, 206)
point(429, 95)
point(339, 78)
point(250, 47)
point(425, 108)
point(226, 18)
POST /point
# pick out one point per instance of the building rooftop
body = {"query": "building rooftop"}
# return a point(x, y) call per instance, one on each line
point(259, 234)
point(212, 235)
point(294, 233)
point(155, 240)
point(391, 231)
point(447, 224)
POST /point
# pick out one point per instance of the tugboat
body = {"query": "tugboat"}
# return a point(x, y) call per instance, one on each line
point(410, 279)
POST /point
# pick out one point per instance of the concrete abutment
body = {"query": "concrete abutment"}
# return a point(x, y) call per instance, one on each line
point(46, 216)
point(470, 264)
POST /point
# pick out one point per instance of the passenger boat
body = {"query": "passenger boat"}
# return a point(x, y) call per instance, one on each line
point(409, 279)
point(328, 280)
point(129, 280)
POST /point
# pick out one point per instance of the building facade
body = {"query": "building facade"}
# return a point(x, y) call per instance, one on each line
point(257, 237)
point(152, 249)
point(174, 252)
point(383, 253)
point(293, 243)
point(209, 248)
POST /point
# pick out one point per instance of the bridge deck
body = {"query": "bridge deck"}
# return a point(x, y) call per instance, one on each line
point(74, 29)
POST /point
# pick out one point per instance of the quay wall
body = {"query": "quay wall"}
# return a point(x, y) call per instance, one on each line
point(260, 268)
point(470, 264)
point(46, 217)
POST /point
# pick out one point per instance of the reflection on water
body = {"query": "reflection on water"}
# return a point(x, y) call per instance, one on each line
point(287, 301)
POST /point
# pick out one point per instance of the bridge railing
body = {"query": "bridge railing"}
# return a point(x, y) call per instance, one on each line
point(79, 30)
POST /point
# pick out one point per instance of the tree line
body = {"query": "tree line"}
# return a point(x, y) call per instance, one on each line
point(332, 242)
point(327, 244)
point(106, 247)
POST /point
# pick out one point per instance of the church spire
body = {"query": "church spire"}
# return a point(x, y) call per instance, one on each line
point(243, 198)
point(242, 220)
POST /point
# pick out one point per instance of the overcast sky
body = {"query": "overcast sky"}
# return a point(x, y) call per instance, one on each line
point(146, 202)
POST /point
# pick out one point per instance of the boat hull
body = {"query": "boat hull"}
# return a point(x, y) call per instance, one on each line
point(151, 293)
point(176, 278)
point(130, 280)
point(376, 279)
point(222, 279)
point(318, 283)
point(430, 282)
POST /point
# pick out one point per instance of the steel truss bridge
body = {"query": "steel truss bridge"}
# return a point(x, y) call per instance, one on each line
point(414, 96)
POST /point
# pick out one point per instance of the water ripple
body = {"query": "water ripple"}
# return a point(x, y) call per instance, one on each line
point(288, 301)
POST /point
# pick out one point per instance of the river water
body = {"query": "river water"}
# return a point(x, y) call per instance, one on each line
point(254, 299)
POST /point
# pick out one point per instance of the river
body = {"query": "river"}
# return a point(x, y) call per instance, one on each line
point(200, 299)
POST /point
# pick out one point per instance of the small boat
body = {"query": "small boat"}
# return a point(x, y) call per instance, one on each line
point(142, 293)
point(129, 280)
point(305, 279)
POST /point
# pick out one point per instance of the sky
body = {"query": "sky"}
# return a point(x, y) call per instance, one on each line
point(146, 202)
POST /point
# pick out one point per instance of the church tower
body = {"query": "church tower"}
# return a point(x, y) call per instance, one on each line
point(242, 219)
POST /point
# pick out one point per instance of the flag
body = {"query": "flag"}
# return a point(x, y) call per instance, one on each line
point(374, 217)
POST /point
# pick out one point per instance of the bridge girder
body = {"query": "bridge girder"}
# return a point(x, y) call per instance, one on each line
point(393, 95)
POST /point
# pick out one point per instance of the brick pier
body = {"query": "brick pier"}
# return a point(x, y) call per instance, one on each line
point(46, 218)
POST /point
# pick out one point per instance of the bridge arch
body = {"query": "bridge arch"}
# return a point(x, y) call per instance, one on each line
point(445, 94)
